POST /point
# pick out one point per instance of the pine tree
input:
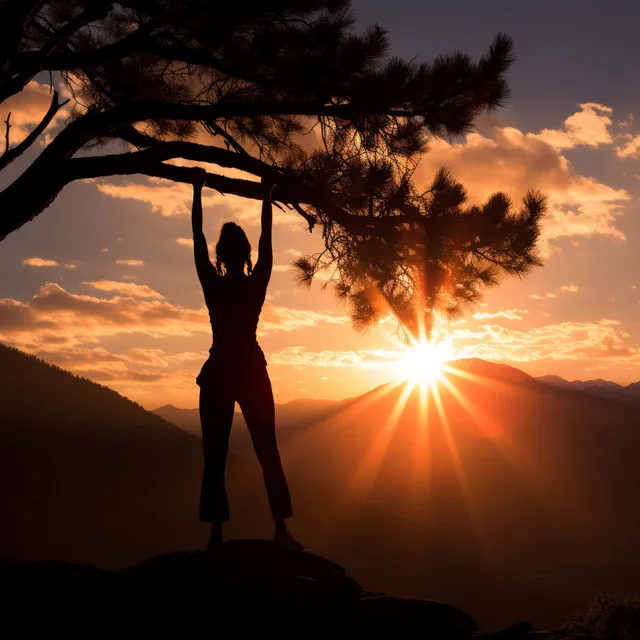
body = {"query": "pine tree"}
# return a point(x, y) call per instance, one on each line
point(241, 85)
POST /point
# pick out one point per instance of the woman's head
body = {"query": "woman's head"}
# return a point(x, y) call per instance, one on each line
point(233, 250)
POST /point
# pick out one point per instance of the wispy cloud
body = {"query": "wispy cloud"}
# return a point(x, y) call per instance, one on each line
point(174, 199)
point(507, 314)
point(600, 339)
point(630, 148)
point(72, 319)
point(43, 262)
point(299, 356)
point(276, 318)
point(126, 288)
point(130, 262)
point(39, 262)
point(550, 296)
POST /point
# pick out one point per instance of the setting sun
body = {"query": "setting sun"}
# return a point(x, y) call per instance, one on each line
point(424, 361)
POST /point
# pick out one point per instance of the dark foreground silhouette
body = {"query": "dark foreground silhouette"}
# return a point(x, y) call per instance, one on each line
point(88, 476)
point(236, 370)
point(247, 582)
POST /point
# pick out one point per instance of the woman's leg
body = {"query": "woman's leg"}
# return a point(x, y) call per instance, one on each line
point(216, 416)
point(256, 402)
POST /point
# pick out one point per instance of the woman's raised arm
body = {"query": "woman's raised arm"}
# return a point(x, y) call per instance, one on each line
point(264, 264)
point(205, 269)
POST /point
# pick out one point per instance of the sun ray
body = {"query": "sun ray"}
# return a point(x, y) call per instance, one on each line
point(459, 469)
point(364, 475)
point(421, 462)
point(489, 427)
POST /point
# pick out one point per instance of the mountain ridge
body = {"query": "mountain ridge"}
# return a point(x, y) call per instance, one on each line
point(189, 419)
point(628, 394)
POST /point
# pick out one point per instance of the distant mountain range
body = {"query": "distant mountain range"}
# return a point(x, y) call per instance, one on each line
point(308, 410)
point(629, 394)
point(296, 411)
point(510, 498)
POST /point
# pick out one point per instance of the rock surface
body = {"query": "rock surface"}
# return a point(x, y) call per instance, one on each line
point(247, 582)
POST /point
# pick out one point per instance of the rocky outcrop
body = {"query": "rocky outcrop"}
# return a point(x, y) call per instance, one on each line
point(249, 582)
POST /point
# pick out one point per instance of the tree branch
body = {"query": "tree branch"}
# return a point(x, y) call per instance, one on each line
point(98, 124)
point(31, 62)
point(15, 16)
point(138, 139)
point(215, 129)
point(162, 151)
point(11, 154)
point(6, 135)
point(95, 10)
point(157, 109)
point(288, 190)
point(90, 59)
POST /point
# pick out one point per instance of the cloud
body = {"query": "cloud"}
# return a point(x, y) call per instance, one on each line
point(631, 149)
point(55, 315)
point(301, 357)
point(627, 122)
point(507, 314)
point(587, 127)
point(27, 110)
point(275, 318)
point(174, 199)
point(101, 365)
point(602, 340)
point(512, 161)
point(164, 197)
point(39, 262)
point(43, 262)
point(567, 288)
point(131, 262)
point(188, 242)
point(126, 288)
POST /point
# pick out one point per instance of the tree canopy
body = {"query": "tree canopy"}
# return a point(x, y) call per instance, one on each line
point(286, 89)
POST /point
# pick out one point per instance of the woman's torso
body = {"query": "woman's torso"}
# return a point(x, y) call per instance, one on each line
point(234, 304)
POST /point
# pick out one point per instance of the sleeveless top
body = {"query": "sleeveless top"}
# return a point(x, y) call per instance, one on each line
point(234, 310)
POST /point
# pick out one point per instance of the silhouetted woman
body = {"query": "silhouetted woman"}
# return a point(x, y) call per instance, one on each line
point(236, 370)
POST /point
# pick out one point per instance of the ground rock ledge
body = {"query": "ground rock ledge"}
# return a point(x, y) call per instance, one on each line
point(249, 582)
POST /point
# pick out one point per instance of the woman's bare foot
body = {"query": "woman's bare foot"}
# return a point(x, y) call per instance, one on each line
point(215, 538)
point(284, 537)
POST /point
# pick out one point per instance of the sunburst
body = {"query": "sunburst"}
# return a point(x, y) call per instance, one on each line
point(424, 361)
